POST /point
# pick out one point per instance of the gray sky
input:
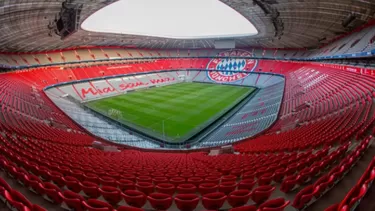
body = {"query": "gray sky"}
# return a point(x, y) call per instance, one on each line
point(180, 19)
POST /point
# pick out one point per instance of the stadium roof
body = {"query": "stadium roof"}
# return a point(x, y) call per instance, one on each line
point(170, 19)
point(280, 24)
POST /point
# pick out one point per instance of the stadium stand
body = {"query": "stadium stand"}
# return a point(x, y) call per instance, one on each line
point(254, 117)
point(359, 43)
point(321, 110)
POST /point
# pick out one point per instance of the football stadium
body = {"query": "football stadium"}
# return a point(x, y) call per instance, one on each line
point(187, 105)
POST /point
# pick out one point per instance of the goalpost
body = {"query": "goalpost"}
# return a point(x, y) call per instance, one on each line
point(114, 113)
point(182, 78)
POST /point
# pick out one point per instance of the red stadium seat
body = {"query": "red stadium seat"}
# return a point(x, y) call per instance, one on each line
point(186, 175)
point(158, 180)
point(72, 200)
point(144, 179)
point(213, 201)
point(3, 161)
point(265, 179)
point(334, 207)
point(20, 175)
point(111, 194)
point(130, 177)
point(134, 198)
point(322, 182)
point(166, 188)
point(278, 204)
point(195, 180)
point(125, 184)
point(177, 180)
point(262, 193)
point(304, 176)
point(33, 182)
point(97, 205)
point(51, 192)
point(248, 175)
point(90, 189)
point(90, 177)
point(227, 187)
point(145, 187)
point(4, 186)
point(72, 184)
point(279, 175)
point(289, 184)
point(239, 198)
point(57, 178)
point(160, 201)
point(212, 179)
point(77, 174)
point(291, 169)
point(358, 194)
point(17, 200)
point(171, 175)
point(369, 181)
point(206, 188)
point(186, 188)
point(65, 170)
point(37, 208)
point(229, 178)
point(304, 196)
point(247, 184)
point(11, 169)
point(186, 202)
point(107, 181)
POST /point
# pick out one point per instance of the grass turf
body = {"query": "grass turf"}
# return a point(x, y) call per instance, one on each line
point(184, 107)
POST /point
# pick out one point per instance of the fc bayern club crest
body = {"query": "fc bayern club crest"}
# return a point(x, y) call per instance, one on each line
point(231, 69)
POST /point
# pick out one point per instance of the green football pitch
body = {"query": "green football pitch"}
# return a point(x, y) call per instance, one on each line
point(172, 112)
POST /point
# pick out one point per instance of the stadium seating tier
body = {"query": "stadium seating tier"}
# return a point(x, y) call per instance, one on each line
point(320, 134)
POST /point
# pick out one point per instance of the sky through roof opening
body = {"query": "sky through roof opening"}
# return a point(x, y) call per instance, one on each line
point(178, 19)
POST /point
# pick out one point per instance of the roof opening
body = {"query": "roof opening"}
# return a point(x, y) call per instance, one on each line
point(177, 19)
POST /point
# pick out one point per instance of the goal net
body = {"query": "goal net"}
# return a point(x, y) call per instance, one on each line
point(114, 113)
point(182, 78)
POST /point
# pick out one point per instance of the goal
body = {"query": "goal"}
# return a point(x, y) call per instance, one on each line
point(114, 113)
point(182, 78)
